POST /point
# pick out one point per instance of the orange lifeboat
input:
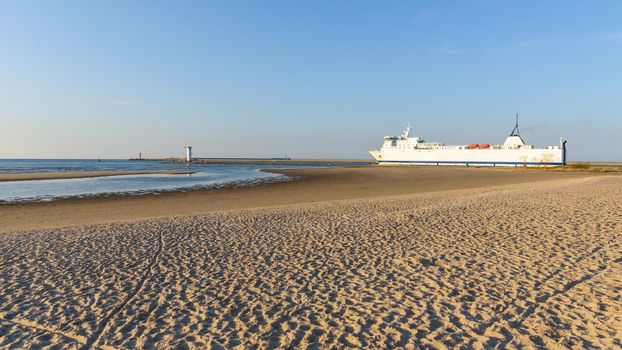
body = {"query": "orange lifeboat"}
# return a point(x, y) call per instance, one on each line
point(473, 145)
point(484, 145)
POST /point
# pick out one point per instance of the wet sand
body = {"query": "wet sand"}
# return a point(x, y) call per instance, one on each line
point(520, 265)
point(84, 174)
point(311, 185)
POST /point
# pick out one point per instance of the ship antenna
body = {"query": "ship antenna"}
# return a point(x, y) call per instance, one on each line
point(515, 131)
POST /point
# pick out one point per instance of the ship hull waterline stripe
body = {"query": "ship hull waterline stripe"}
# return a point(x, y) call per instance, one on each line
point(468, 162)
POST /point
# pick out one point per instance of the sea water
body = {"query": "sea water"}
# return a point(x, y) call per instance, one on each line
point(204, 176)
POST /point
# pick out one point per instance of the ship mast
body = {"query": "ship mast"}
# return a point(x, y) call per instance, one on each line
point(515, 131)
point(406, 133)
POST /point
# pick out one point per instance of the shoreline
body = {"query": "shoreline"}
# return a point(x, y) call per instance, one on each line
point(309, 185)
point(248, 183)
point(86, 174)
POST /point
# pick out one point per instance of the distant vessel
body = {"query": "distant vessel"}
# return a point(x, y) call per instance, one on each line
point(407, 149)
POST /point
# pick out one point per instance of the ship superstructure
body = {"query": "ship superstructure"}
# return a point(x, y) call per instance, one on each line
point(408, 149)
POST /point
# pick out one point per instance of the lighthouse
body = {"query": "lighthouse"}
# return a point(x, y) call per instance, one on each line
point(188, 153)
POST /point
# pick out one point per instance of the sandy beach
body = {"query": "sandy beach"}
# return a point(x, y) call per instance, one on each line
point(311, 185)
point(476, 258)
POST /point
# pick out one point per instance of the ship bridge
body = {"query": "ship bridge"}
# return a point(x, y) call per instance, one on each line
point(403, 141)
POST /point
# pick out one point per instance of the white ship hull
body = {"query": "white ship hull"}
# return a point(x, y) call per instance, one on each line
point(478, 157)
point(407, 149)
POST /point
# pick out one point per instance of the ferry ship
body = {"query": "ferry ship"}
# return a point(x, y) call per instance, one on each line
point(412, 150)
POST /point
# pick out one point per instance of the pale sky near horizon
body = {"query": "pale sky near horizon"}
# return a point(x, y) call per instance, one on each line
point(322, 79)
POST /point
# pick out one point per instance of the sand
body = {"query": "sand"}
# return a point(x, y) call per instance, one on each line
point(311, 185)
point(527, 265)
point(83, 174)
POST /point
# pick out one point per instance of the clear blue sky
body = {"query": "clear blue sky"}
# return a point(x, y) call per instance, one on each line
point(305, 79)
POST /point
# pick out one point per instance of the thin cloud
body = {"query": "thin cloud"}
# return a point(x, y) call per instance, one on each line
point(521, 46)
point(425, 17)
point(616, 38)
point(447, 50)
point(126, 103)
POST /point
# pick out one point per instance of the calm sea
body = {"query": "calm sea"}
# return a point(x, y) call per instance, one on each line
point(206, 175)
